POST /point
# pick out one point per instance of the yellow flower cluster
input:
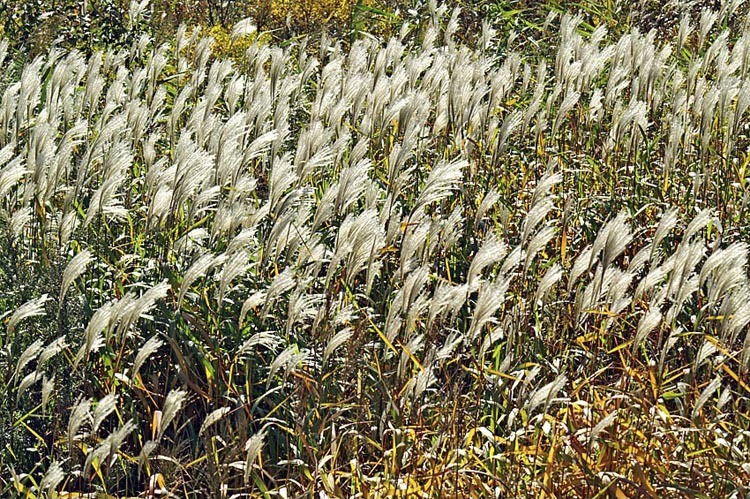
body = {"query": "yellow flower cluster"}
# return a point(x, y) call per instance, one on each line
point(303, 16)
point(311, 13)
point(235, 49)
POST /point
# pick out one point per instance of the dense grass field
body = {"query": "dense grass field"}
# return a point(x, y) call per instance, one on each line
point(510, 263)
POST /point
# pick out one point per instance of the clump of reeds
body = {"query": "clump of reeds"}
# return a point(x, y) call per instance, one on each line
point(409, 268)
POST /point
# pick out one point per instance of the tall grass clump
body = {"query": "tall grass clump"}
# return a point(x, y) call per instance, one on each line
point(411, 267)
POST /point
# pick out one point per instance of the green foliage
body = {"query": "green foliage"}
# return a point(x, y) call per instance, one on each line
point(36, 24)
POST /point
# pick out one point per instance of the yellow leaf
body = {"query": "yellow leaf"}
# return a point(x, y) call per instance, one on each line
point(638, 471)
point(734, 376)
point(155, 424)
point(586, 338)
